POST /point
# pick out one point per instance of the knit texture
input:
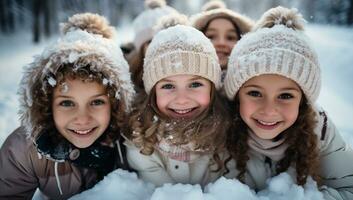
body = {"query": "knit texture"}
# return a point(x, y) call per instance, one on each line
point(278, 50)
point(144, 23)
point(180, 50)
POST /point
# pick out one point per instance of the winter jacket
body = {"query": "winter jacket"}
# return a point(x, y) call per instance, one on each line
point(336, 159)
point(23, 170)
point(159, 169)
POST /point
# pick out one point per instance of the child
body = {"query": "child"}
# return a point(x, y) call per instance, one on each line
point(73, 98)
point(143, 26)
point(274, 78)
point(223, 27)
point(178, 133)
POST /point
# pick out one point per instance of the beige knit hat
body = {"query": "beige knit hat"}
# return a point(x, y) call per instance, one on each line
point(217, 9)
point(177, 50)
point(145, 21)
point(276, 46)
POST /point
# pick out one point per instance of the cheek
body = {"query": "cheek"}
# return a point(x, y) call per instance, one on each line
point(291, 113)
point(246, 108)
point(161, 101)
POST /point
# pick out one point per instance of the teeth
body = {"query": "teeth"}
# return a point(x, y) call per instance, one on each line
point(182, 111)
point(82, 132)
point(267, 123)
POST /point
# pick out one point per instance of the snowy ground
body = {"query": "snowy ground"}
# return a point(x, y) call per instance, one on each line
point(335, 48)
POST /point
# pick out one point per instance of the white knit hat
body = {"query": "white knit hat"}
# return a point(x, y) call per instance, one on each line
point(145, 21)
point(277, 45)
point(180, 50)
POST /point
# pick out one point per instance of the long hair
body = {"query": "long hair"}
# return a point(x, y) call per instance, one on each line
point(302, 153)
point(44, 99)
point(207, 131)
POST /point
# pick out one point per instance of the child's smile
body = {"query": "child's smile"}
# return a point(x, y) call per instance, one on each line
point(82, 112)
point(183, 96)
point(269, 104)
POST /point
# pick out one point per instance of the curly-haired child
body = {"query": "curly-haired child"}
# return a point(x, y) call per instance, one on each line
point(274, 80)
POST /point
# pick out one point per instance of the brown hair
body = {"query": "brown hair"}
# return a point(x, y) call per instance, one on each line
point(207, 131)
point(43, 93)
point(135, 60)
point(303, 152)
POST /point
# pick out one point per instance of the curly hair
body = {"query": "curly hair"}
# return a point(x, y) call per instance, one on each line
point(207, 131)
point(43, 93)
point(303, 152)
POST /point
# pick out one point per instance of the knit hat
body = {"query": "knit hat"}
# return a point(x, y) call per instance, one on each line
point(217, 9)
point(276, 46)
point(180, 50)
point(145, 21)
point(87, 40)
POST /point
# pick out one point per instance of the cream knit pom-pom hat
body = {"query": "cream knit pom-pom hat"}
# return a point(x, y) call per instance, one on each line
point(277, 45)
point(180, 50)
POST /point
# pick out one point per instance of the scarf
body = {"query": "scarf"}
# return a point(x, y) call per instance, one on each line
point(273, 149)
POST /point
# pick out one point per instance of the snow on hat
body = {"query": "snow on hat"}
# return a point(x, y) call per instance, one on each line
point(277, 45)
point(145, 21)
point(177, 50)
point(217, 9)
point(87, 40)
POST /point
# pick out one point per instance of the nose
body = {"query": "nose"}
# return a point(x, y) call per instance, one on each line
point(220, 41)
point(83, 117)
point(181, 97)
point(269, 108)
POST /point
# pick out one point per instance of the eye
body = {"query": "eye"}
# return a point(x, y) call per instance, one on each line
point(167, 86)
point(254, 93)
point(195, 84)
point(98, 102)
point(210, 36)
point(232, 38)
point(285, 96)
point(67, 103)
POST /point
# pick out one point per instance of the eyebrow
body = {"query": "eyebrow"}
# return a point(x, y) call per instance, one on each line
point(214, 29)
point(70, 97)
point(192, 79)
point(281, 89)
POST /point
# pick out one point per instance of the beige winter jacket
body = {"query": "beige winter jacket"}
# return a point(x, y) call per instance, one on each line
point(159, 169)
point(23, 170)
point(336, 164)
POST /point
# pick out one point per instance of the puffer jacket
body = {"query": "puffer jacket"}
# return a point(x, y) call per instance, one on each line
point(23, 170)
point(159, 169)
point(336, 168)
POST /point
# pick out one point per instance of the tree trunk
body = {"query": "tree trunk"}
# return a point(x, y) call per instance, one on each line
point(350, 13)
point(36, 20)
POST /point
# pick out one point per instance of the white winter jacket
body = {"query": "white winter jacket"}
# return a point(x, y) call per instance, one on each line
point(336, 164)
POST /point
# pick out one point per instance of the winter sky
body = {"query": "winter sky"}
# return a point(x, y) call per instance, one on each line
point(335, 49)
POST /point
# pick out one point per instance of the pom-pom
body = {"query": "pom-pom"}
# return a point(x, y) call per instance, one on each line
point(92, 23)
point(152, 4)
point(281, 16)
point(171, 20)
point(215, 4)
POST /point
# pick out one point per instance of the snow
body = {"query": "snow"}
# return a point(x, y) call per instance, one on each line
point(335, 51)
point(117, 185)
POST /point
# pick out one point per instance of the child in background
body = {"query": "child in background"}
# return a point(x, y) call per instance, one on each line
point(274, 79)
point(223, 27)
point(143, 26)
point(74, 98)
point(178, 133)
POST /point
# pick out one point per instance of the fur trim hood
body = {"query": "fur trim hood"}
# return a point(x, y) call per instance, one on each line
point(87, 40)
point(219, 10)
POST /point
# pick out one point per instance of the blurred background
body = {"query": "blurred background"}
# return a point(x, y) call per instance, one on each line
point(42, 17)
